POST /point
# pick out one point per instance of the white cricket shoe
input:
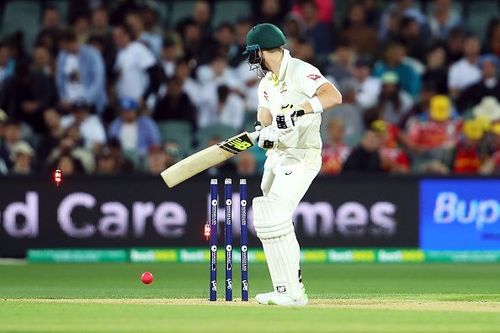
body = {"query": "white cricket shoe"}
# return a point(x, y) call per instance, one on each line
point(275, 298)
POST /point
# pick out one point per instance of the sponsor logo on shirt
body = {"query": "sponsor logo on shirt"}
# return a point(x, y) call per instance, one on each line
point(266, 96)
point(313, 77)
point(283, 88)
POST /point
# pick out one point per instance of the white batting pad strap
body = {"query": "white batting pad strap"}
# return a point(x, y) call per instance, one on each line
point(283, 260)
point(271, 219)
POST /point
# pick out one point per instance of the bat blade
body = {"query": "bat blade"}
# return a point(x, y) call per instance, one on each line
point(207, 158)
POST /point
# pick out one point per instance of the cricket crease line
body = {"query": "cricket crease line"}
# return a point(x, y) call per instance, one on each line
point(400, 305)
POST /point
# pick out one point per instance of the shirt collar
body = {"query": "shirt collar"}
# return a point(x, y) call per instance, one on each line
point(283, 66)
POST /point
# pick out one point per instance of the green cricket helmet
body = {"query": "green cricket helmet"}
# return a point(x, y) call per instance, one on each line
point(263, 36)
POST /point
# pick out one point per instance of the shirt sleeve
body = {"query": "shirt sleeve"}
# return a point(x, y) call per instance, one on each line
point(263, 95)
point(145, 57)
point(310, 79)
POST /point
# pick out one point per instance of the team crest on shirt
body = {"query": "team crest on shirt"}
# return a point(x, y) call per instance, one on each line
point(313, 77)
point(283, 88)
point(266, 96)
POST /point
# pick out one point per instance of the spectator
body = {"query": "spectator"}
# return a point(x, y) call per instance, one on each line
point(270, 11)
point(173, 153)
point(225, 40)
point(488, 86)
point(394, 62)
point(454, 46)
point(3, 120)
point(303, 49)
point(43, 62)
point(367, 87)
point(366, 157)
point(71, 144)
point(80, 74)
point(356, 29)
point(420, 110)
point(246, 164)
point(3, 164)
point(231, 108)
point(175, 105)
point(105, 163)
point(492, 164)
point(190, 86)
point(293, 27)
point(318, 32)
point(150, 14)
point(341, 61)
point(470, 152)
point(89, 125)
point(465, 72)
point(393, 156)
point(349, 112)
point(152, 40)
point(54, 132)
point(492, 42)
point(7, 63)
point(411, 36)
point(488, 110)
point(198, 48)
point(22, 159)
point(125, 165)
point(138, 76)
point(202, 16)
point(397, 10)
point(135, 132)
point(169, 56)
point(393, 102)
point(443, 19)
point(325, 10)
point(432, 136)
point(69, 165)
point(210, 78)
point(50, 30)
point(241, 28)
point(11, 136)
point(26, 94)
point(334, 151)
point(81, 27)
point(99, 23)
point(156, 160)
point(436, 71)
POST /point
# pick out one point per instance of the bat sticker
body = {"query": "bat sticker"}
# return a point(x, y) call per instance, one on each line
point(237, 144)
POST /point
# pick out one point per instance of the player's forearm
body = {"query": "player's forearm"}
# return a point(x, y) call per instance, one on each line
point(327, 96)
point(264, 117)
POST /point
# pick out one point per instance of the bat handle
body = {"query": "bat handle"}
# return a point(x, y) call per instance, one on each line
point(254, 136)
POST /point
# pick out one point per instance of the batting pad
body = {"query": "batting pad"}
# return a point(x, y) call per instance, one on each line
point(270, 218)
point(283, 261)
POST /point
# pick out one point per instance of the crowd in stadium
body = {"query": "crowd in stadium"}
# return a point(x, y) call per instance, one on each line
point(117, 89)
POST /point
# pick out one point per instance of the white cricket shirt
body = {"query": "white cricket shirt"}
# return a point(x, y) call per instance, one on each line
point(132, 63)
point(297, 82)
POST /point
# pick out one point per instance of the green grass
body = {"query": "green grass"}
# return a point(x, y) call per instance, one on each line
point(345, 298)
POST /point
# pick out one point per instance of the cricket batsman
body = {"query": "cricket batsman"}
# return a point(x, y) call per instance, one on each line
point(292, 96)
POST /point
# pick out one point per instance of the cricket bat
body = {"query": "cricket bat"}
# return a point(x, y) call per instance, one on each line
point(207, 158)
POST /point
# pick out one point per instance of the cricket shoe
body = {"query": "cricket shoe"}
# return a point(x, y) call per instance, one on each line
point(275, 298)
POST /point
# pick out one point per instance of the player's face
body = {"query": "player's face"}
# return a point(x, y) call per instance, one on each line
point(256, 61)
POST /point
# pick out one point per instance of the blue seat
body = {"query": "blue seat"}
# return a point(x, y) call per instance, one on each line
point(230, 11)
point(177, 131)
point(24, 16)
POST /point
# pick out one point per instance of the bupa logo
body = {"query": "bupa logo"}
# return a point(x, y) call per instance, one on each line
point(450, 208)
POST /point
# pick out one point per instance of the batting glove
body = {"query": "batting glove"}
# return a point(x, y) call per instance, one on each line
point(268, 137)
point(289, 116)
